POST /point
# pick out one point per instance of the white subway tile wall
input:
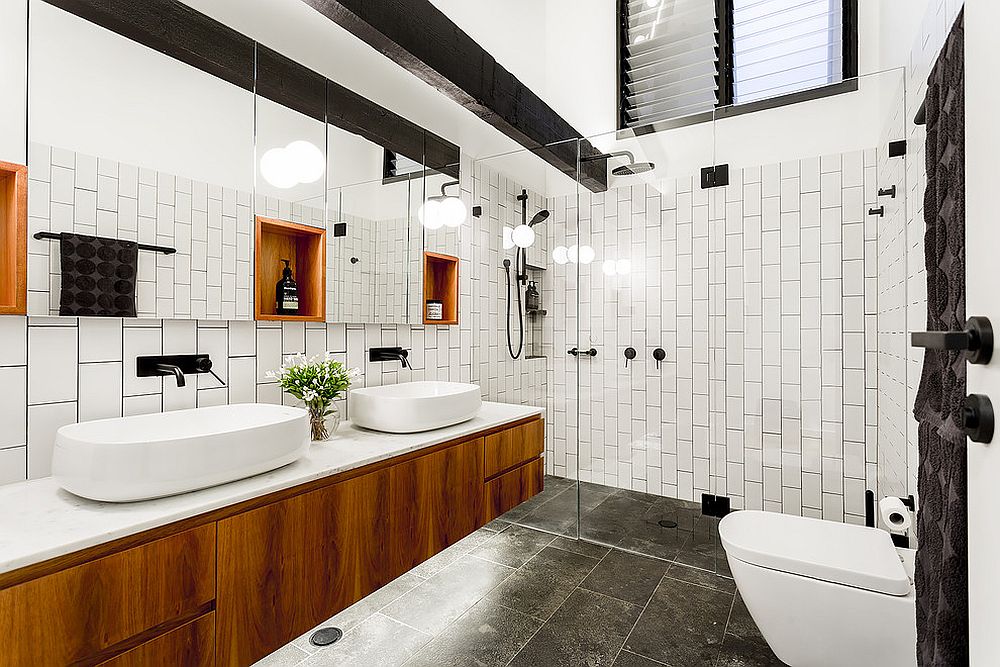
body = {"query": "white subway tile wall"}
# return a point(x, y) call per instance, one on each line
point(57, 371)
point(764, 295)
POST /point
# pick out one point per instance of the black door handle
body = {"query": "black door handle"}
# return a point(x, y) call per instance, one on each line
point(978, 418)
point(586, 353)
point(976, 340)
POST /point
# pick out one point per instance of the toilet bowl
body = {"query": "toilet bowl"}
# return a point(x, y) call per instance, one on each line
point(824, 594)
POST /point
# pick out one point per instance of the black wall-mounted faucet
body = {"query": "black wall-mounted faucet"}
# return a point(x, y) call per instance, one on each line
point(177, 365)
point(389, 354)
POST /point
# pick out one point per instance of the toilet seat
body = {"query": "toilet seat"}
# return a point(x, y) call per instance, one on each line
point(839, 553)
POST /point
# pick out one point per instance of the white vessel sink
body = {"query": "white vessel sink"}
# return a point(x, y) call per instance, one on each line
point(412, 407)
point(155, 455)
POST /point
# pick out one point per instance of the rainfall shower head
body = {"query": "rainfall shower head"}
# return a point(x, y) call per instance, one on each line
point(632, 168)
point(541, 216)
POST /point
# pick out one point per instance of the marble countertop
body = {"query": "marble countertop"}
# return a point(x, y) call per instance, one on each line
point(39, 520)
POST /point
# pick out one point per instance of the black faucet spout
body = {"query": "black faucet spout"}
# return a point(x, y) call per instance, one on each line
point(389, 354)
point(170, 369)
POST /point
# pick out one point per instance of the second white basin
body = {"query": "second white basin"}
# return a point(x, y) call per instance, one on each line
point(412, 407)
point(162, 454)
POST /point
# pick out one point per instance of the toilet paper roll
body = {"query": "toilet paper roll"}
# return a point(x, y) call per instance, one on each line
point(895, 515)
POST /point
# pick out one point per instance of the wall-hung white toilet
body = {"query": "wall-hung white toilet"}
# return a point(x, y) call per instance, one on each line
point(824, 594)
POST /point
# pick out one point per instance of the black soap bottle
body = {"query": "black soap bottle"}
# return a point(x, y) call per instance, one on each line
point(532, 299)
point(287, 292)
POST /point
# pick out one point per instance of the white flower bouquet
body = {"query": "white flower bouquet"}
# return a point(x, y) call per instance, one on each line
point(317, 382)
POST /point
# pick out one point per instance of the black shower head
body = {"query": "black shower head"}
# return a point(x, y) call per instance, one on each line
point(541, 216)
point(633, 168)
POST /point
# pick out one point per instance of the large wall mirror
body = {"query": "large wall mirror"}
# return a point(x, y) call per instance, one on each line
point(221, 185)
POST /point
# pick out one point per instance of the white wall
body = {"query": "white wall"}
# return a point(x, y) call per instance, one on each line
point(13, 67)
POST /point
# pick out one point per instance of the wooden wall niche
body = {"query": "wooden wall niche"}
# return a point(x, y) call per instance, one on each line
point(441, 284)
point(13, 239)
point(305, 246)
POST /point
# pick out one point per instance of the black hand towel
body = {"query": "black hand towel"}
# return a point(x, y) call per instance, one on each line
point(98, 276)
point(941, 575)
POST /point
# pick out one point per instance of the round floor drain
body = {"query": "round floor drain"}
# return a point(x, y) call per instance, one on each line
point(325, 636)
point(667, 523)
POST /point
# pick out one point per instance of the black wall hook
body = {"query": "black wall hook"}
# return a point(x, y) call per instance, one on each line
point(891, 192)
point(880, 211)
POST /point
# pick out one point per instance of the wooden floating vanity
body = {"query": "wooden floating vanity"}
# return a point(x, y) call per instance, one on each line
point(231, 585)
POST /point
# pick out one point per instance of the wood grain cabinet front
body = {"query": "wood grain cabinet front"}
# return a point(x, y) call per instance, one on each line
point(512, 488)
point(191, 645)
point(287, 566)
point(105, 607)
point(507, 449)
point(436, 500)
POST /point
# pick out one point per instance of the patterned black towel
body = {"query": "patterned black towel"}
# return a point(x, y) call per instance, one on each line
point(98, 276)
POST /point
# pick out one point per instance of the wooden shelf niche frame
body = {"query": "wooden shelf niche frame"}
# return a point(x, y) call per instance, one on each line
point(305, 246)
point(13, 239)
point(441, 284)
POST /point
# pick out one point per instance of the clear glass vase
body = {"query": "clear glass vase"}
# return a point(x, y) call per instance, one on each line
point(323, 420)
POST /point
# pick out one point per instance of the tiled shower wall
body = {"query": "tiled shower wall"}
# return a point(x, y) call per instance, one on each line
point(763, 295)
point(57, 371)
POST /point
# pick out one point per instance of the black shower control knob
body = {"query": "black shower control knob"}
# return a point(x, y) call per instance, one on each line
point(659, 354)
point(978, 418)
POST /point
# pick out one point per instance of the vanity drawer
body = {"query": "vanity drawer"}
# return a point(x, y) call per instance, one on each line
point(513, 488)
point(510, 448)
point(95, 610)
point(191, 645)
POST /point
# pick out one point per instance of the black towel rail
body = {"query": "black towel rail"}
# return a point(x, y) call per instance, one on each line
point(166, 250)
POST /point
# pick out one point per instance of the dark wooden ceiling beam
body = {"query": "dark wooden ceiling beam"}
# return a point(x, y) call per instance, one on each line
point(422, 39)
point(178, 31)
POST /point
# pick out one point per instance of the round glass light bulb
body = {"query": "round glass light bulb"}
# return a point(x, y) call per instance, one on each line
point(608, 267)
point(508, 238)
point(305, 160)
point(453, 211)
point(559, 255)
point(523, 236)
point(430, 214)
point(585, 254)
point(652, 3)
point(275, 169)
point(623, 266)
point(573, 253)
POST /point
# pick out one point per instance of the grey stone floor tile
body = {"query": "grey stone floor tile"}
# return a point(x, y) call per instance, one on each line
point(626, 576)
point(588, 629)
point(683, 624)
point(693, 575)
point(513, 547)
point(627, 659)
point(488, 635)
point(288, 655)
point(741, 652)
point(544, 583)
point(435, 603)
point(580, 547)
point(379, 640)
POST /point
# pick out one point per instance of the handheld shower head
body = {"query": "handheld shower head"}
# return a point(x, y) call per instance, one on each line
point(541, 216)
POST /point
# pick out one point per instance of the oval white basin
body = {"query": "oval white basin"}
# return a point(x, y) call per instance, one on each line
point(162, 454)
point(412, 407)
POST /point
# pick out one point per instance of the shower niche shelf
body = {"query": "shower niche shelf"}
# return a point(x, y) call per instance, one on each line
point(441, 284)
point(13, 238)
point(305, 246)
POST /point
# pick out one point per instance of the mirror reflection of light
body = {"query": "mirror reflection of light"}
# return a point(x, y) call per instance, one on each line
point(608, 267)
point(585, 254)
point(559, 255)
point(297, 163)
point(523, 236)
point(508, 238)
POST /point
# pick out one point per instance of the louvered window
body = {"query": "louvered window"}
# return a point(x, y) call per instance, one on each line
point(681, 58)
point(397, 167)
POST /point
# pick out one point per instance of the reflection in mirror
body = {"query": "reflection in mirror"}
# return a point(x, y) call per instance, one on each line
point(290, 243)
point(116, 151)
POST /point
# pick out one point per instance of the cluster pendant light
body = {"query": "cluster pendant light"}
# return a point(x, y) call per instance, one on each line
point(574, 254)
point(443, 210)
point(297, 163)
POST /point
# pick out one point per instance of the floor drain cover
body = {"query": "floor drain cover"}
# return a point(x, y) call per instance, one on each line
point(325, 636)
point(667, 523)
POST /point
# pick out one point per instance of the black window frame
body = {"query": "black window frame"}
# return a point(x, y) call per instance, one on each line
point(726, 108)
